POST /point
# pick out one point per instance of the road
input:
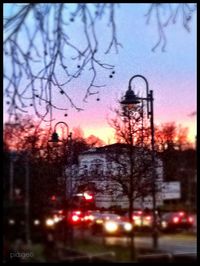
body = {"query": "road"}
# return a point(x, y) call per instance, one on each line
point(170, 243)
point(175, 243)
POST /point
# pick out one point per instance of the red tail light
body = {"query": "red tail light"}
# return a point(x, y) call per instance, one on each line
point(148, 218)
point(190, 219)
point(175, 220)
point(181, 214)
point(53, 198)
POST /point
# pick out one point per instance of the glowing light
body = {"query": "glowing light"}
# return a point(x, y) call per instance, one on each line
point(175, 220)
point(11, 221)
point(77, 212)
point(148, 218)
point(53, 198)
point(98, 221)
point(111, 226)
point(75, 218)
point(87, 196)
point(91, 217)
point(128, 226)
point(164, 224)
point(36, 222)
point(191, 220)
point(49, 222)
point(56, 219)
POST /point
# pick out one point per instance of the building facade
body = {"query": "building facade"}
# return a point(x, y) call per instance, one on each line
point(106, 172)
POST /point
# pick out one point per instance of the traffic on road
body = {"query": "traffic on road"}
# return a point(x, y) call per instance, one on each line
point(111, 223)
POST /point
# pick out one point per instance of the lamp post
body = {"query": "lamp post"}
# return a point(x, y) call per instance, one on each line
point(55, 139)
point(68, 185)
point(130, 100)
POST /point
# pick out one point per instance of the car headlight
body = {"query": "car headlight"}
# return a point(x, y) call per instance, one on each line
point(49, 222)
point(56, 219)
point(36, 222)
point(111, 226)
point(164, 224)
point(99, 221)
point(137, 222)
point(128, 226)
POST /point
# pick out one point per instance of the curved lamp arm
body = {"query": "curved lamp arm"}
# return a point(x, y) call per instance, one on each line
point(64, 124)
point(147, 89)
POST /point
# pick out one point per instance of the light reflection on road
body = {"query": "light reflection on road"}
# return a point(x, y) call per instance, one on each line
point(176, 243)
point(172, 243)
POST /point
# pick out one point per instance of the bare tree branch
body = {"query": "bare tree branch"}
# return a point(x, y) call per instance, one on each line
point(45, 54)
point(43, 58)
point(166, 14)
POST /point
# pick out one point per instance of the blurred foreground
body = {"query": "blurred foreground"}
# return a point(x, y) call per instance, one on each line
point(58, 241)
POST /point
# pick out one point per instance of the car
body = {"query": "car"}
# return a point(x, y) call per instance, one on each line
point(110, 224)
point(99, 219)
point(76, 217)
point(174, 221)
point(58, 215)
point(81, 218)
point(143, 220)
point(117, 227)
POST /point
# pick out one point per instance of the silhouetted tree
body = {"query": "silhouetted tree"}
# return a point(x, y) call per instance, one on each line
point(171, 136)
point(94, 141)
point(131, 163)
point(46, 161)
point(178, 158)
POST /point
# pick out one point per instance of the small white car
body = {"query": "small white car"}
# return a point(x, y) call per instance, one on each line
point(110, 224)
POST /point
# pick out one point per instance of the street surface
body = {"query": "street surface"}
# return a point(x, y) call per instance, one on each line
point(171, 243)
point(175, 243)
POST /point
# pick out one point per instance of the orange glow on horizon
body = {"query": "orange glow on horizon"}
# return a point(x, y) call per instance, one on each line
point(105, 133)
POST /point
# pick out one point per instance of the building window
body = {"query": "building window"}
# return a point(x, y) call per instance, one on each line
point(96, 169)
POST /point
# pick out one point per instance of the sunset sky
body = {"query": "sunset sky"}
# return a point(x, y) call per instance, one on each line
point(171, 74)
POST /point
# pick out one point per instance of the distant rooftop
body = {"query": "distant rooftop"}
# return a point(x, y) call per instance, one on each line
point(106, 148)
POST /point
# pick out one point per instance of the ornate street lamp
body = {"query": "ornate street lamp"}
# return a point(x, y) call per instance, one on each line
point(55, 139)
point(130, 98)
point(129, 101)
point(54, 136)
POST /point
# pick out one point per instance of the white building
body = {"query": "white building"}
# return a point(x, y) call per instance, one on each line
point(107, 169)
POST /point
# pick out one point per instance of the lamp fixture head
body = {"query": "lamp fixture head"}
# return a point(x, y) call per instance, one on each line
point(54, 137)
point(130, 98)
